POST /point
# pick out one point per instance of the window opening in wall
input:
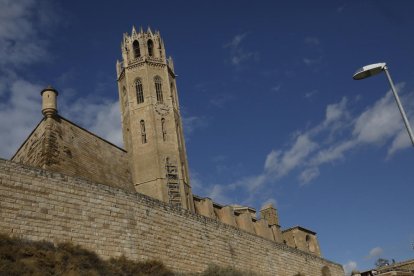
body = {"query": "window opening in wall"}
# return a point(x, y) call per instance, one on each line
point(172, 93)
point(150, 47)
point(140, 91)
point(164, 131)
point(158, 89)
point(125, 97)
point(143, 133)
point(135, 47)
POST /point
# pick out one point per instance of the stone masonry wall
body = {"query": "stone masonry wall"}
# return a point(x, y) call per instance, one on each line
point(32, 152)
point(59, 145)
point(39, 204)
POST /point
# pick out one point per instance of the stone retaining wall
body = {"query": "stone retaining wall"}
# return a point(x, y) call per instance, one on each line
point(43, 205)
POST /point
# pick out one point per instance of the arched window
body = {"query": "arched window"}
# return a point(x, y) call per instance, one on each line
point(163, 129)
point(143, 133)
point(150, 47)
point(140, 91)
point(158, 89)
point(135, 47)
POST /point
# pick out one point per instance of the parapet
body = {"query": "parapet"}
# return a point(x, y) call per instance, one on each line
point(226, 215)
point(267, 226)
point(302, 239)
point(204, 206)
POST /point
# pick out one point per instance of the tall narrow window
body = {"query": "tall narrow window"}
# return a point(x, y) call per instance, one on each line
point(172, 93)
point(163, 129)
point(135, 47)
point(158, 89)
point(140, 91)
point(150, 47)
point(124, 98)
point(143, 133)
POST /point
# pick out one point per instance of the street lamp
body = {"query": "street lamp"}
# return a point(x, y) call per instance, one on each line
point(373, 69)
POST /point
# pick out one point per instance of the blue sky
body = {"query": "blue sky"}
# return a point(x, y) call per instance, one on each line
point(270, 110)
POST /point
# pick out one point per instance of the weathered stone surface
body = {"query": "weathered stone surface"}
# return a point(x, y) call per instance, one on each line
point(151, 120)
point(61, 146)
point(39, 204)
point(302, 239)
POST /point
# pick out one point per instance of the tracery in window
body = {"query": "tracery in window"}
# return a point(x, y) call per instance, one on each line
point(150, 47)
point(163, 129)
point(140, 91)
point(135, 47)
point(143, 133)
point(158, 89)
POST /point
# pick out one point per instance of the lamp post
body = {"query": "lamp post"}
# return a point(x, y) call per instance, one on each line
point(373, 69)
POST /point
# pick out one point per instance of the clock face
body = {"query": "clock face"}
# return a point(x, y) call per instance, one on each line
point(162, 109)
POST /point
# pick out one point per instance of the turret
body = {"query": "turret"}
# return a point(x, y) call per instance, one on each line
point(49, 103)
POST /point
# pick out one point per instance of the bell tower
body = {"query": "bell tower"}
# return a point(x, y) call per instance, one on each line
point(151, 120)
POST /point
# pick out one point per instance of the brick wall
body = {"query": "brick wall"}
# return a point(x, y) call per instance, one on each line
point(39, 204)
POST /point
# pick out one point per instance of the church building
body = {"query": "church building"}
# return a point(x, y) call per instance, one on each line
point(153, 161)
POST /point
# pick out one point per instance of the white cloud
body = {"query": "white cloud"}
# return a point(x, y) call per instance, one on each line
point(276, 88)
point(280, 163)
point(238, 54)
point(336, 111)
point(221, 99)
point(312, 61)
point(375, 252)
point(338, 133)
point(312, 41)
point(237, 39)
point(379, 122)
point(218, 193)
point(310, 94)
point(349, 267)
point(20, 41)
point(18, 115)
point(108, 123)
point(21, 25)
point(308, 174)
point(401, 141)
point(191, 123)
point(269, 201)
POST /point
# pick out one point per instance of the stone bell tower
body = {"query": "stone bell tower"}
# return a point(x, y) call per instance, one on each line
point(151, 120)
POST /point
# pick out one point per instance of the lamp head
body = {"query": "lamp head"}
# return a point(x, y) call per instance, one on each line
point(369, 70)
